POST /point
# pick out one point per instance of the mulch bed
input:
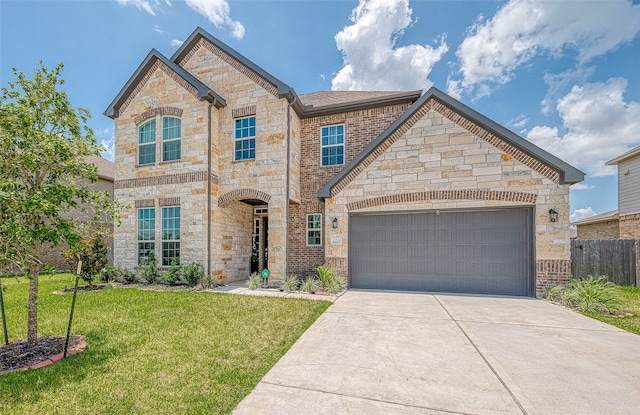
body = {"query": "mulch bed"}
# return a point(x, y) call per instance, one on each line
point(86, 288)
point(17, 356)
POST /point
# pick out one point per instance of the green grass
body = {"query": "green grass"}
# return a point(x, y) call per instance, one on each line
point(629, 302)
point(150, 352)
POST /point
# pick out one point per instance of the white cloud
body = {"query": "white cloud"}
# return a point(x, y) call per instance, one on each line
point(581, 186)
point(580, 214)
point(518, 122)
point(176, 43)
point(599, 124)
point(217, 12)
point(373, 60)
point(150, 6)
point(107, 144)
point(524, 29)
point(560, 83)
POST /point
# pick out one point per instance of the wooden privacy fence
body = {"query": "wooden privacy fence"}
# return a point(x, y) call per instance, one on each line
point(618, 259)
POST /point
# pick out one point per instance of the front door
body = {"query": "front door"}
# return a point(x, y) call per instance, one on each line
point(260, 240)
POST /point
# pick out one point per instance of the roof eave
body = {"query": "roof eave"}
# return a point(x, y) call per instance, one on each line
point(624, 156)
point(386, 100)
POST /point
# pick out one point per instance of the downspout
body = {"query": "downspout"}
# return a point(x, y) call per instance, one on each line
point(211, 104)
point(287, 192)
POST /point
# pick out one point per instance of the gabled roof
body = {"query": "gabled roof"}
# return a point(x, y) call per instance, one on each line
point(106, 168)
point(602, 217)
point(624, 156)
point(192, 40)
point(332, 102)
point(204, 93)
point(567, 173)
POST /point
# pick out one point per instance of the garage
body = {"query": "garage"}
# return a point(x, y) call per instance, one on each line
point(487, 251)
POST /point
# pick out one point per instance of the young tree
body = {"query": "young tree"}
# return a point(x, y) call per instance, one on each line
point(45, 197)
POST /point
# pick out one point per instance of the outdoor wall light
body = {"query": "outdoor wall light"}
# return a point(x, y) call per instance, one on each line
point(334, 223)
point(553, 215)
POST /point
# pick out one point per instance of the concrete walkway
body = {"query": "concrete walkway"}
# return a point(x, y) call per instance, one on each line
point(406, 353)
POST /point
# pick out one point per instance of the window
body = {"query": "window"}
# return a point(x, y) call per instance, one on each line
point(314, 229)
point(245, 140)
point(170, 138)
point(146, 233)
point(332, 145)
point(147, 142)
point(170, 234)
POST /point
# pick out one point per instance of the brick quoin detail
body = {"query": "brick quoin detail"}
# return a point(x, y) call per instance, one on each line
point(233, 63)
point(551, 272)
point(157, 65)
point(506, 196)
point(199, 176)
point(240, 194)
point(158, 111)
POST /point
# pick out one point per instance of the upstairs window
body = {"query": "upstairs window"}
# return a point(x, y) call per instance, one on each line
point(147, 142)
point(332, 145)
point(314, 229)
point(245, 138)
point(146, 233)
point(170, 138)
point(170, 234)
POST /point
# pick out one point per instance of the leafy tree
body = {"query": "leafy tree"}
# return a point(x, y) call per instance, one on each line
point(92, 252)
point(45, 199)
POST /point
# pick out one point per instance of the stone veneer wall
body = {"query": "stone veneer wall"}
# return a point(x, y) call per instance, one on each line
point(630, 226)
point(438, 164)
point(361, 128)
point(600, 230)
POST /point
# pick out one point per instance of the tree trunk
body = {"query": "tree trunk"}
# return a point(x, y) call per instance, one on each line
point(32, 321)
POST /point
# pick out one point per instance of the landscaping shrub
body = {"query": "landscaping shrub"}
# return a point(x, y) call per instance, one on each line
point(590, 295)
point(128, 276)
point(193, 273)
point(329, 280)
point(310, 285)
point(208, 282)
point(174, 273)
point(93, 254)
point(110, 274)
point(147, 270)
point(254, 281)
point(290, 284)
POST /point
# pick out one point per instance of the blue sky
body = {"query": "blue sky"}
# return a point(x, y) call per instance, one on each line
point(563, 74)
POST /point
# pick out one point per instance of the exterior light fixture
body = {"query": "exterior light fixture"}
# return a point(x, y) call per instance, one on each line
point(334, 223)
point(553, 215)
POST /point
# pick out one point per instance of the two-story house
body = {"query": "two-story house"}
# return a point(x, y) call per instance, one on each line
point(224, 164)
point(628, 193)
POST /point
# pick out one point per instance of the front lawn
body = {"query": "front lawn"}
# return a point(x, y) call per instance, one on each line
point(150, 352)
point(628, 302)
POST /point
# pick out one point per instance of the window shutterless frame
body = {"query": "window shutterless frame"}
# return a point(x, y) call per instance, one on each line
point(171, 132)
point(245, 138)
point(146, 233)
point(147, 143)
point(332, 145)
point(170, 234)
point(314, 229)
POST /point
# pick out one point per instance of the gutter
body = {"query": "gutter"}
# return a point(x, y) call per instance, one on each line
point(288, 190)
point(209, 108)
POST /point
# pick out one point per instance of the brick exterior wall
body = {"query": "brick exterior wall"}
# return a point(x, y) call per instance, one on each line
point(360, 129)
point(600, 230)
point(630, 226)
point(551, 272)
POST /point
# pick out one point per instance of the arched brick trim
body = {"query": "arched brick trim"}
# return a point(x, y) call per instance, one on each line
point(157, 65)
point(505, 196)
point(240, 194)
point(272, 89)
point(158, 111)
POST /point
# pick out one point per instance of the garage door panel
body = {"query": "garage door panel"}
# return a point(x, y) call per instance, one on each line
point(486, 252)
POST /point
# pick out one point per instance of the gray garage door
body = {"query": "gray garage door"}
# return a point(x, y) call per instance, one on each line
point(480, 252)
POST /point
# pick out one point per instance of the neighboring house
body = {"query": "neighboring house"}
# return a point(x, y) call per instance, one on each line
point(602, 226)
point(104, 183)
point(628, 192)
point(226, 165)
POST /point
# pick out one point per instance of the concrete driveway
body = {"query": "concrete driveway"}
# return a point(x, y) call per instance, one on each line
point(419, 353)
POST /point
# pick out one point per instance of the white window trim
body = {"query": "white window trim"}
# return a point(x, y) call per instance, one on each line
point(313, 229)
point(162, 240)
point(151, 143)
point(138, 240)
point(333, 145)
point(179, 138)
point(235, 140)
